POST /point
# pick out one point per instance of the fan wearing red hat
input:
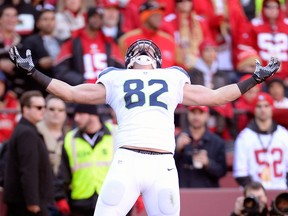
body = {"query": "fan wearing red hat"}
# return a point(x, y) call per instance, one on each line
point(261, 148)
point(151, 15)
point(200, 154)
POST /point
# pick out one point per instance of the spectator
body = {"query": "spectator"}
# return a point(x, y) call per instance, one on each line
point(28, 174)
point(260, 149)
point(228, 25)
point(130, 15)
point(185, 25)
point(8, 37)
point(69, 20)
point(246, 61)
point(112, 26)
point(9, 106)
point(82, 58)
point(26, 16)
point(151, 14)
point(200, 154)
point(276, 89)
point(86, 157)
point(44, 46)
point(206, 65)
point(253, 202)
point(52, 129)
point(268, 36)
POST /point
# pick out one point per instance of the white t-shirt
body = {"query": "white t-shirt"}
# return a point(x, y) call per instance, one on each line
point(144, 102)
point(263, 157)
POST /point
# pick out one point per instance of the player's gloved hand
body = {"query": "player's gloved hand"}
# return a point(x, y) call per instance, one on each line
point(63, 206)
point(26, 64)
point(262, 73)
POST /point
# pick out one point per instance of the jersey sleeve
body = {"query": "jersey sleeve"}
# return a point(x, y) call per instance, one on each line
point(105, 78)
point(183, 78)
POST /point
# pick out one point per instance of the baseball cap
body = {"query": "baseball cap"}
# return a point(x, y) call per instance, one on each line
point(111, 4)
point(263, 96)
point(202, 108)
point(151, 6)
point(86, 108)
point(207, 43)
point(246, 58)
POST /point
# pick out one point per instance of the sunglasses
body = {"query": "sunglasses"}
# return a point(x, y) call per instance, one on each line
point(37, 107)
point(53, 109)
point(178, 1)
point(271, 6)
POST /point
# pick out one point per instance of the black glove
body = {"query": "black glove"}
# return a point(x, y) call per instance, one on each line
point(25, 64)
point(262, 73)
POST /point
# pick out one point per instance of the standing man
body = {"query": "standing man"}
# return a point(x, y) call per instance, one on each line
point(28, 175)
point(200, 154)
point(261, 149)
point(144, 98)
point(86, 157)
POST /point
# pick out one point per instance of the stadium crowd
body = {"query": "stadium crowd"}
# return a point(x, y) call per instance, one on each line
point(215, 41)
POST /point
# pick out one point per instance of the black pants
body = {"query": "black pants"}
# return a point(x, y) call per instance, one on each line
point(20, 209)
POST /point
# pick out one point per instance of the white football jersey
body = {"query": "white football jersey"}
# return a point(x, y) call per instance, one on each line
point(144, 102)
point(263, 157)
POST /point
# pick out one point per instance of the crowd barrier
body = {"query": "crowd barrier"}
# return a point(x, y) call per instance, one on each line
point(199, 202)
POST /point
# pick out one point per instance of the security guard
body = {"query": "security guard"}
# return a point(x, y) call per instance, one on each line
point(87, 154)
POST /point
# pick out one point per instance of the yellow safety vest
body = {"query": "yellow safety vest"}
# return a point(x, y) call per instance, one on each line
point(89, 165)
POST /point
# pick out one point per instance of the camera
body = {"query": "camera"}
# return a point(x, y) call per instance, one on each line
point(280, 205)
point(251, 206)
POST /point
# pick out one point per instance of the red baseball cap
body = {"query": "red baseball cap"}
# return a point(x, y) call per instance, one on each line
point(263, 96)
point(202, 108)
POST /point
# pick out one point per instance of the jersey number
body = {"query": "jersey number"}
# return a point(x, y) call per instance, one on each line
point(135, 96)
point(278, 153)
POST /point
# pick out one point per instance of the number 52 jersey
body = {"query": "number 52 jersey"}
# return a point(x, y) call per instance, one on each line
point(144, 102)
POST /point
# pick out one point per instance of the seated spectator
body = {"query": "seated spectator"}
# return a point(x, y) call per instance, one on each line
point(82, 58)
point(183, 25)
point(246, 62)
point(70, 19)
point(260, 148)
point(151, 14)
point(112, 19)
point(9, 108)
point(44, 46)
point(8, 38)
point(253, 202)
point(26, 16)
point(206, 65)
point(276, 89)
point(200, 154)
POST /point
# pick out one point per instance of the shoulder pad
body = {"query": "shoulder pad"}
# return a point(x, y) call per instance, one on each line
point(108, 69)
point(179, 69)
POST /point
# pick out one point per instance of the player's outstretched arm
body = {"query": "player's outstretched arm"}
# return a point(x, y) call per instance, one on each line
point(200, 95)
point(84, 93)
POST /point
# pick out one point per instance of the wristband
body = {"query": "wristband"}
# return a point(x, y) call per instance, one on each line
point(41, 78)
point(247, 84)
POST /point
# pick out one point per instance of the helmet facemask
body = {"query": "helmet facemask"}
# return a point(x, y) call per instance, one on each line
point(143, 52)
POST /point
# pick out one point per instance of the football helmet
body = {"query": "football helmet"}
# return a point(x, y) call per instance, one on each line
point(143, 52)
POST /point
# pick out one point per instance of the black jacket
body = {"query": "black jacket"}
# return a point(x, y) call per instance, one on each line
point(28, 174)
point(206, 177)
